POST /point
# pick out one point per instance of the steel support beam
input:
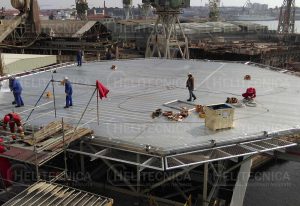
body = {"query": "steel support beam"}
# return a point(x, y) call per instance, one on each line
point(134, 194)
point(82, 166)
point(240, 188)
point(205, 184)
point(128, 184)
point(187, 169)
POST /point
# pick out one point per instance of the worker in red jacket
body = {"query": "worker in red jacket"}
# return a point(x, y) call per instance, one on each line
point(250, 94)
point(13, 119)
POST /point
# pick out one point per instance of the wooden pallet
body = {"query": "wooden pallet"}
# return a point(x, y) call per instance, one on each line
point(45, 133)
point(70, 136)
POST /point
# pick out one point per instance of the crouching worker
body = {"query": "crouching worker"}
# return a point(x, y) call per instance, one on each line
point(13, 120)
point(250, 94)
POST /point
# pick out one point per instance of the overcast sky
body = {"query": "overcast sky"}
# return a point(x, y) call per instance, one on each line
point(67, 3)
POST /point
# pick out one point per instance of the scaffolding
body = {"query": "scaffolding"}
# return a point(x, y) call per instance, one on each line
point(48, 142)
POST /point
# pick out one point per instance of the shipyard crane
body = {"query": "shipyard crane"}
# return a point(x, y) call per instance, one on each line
point(248, 4)
point(81, 9)
point(214, 10)
point(145, 8)
point(169, 39)
point(127, 6)
point(17, 27)
point(286, 23)
point(22, 5)
point(247, 7)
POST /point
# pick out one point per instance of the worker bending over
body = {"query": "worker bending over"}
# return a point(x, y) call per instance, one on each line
point(13, 119)
point(250, 94)
point(69, 92)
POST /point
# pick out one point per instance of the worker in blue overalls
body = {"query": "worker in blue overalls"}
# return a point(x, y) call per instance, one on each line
point(69, 93)
point(16, 88)
point(79, 58)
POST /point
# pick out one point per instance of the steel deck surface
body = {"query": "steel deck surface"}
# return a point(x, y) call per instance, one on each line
point(139, 87)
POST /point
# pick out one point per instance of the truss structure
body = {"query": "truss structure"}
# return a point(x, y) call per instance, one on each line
point(287, 17)
point(96, 149)
point(167, 37)
point(128, 12)
point(81, 8)
point(214, 13)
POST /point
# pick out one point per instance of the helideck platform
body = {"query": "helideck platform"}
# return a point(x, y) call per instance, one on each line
point(139, 87)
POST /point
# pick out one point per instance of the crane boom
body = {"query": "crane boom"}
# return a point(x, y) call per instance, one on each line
point(287, 17)
point(214, 10)
point(81, 8)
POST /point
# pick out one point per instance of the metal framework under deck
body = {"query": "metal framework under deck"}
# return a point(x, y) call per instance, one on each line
point(263, 143)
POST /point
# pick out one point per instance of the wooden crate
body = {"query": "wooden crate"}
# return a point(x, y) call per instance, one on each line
point(219, 116)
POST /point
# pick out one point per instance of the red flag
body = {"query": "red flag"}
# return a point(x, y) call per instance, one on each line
point(103, 91)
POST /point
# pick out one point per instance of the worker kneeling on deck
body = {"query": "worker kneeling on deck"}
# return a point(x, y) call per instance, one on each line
point(69, 92)
point(13, 120)
point(250, 94)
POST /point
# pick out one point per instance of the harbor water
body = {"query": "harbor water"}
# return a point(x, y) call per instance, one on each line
point(273, 25)
point(277, 184)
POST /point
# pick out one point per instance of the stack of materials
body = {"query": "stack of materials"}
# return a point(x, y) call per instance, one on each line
point(200, 111)
point(54, 134)
point(170, 115)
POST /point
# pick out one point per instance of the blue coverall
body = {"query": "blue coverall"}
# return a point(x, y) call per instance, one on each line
point(17, 91)
point(69, 93)
point(79, 58)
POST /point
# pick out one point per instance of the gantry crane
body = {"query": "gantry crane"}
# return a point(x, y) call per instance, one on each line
point(145, 9)
point(81, 9)
point(214, 10)
point(286, 23)
point(127, 6)
point(168, 39)
point(25, 25)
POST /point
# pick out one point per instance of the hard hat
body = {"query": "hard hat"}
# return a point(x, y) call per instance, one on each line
point(190, 74)
point(6, 118)
point(66, 78)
